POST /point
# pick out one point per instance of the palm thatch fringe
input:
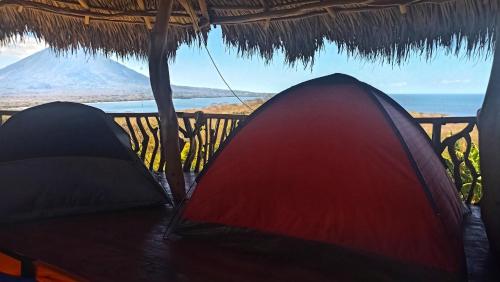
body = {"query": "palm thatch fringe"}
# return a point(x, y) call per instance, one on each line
point(372, 29)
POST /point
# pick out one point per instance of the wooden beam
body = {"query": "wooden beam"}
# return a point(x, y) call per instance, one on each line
point(186, 4)
point(296, 11)
point(328, 22)
point(188, 8)
point(489, 150)
point(403, 9)
point(141, 5)
point(120, 16)
point(265, 9)
point(147, 21)
point(20, 9)
point(84, 4)
point(162, 91)
point(312, 8)
point(204, 9)
point(331, 12)
point(116, 16)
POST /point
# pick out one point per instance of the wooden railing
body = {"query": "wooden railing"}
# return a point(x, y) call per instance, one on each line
point(201, 134)
point(199, 137)
point(459, 151)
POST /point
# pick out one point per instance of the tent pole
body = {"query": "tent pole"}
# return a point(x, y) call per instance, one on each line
point(160, 84)
point(489, 139)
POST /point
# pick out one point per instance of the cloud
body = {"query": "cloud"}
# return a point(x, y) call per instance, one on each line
point(22, 48)
point(455, 81)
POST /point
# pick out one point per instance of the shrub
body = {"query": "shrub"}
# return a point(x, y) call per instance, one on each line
point(466, 174)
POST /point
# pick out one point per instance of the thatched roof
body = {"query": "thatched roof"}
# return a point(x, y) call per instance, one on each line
point(386, 29)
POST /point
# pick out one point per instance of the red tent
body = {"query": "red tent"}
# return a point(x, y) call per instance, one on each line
point(335, 161)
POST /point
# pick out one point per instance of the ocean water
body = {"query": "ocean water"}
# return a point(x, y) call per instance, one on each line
point(448, 104)
point(149, 106)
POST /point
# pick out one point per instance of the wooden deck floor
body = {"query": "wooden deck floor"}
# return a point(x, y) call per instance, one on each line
point(481, 266)
point(129, 246)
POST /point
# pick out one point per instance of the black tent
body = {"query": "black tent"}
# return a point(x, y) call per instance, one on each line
point(66, 158)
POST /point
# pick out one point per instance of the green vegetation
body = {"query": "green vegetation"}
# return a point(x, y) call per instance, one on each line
point(466, 174)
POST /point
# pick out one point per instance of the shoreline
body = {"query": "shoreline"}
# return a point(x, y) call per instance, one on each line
point(17, 103)
point(216, 108)
point(255, 103)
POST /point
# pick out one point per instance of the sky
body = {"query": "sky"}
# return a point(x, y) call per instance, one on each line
point(192, 67)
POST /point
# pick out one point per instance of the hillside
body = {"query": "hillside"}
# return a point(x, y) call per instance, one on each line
point(79, 77)
point(44, 73)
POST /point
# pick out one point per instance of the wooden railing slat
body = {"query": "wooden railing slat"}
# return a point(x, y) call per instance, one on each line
point(154, 131)
point(145, 138)
point(206, 132)
point(133, 136)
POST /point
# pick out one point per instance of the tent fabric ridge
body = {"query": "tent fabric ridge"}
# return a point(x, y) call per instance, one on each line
point(394, 157)
point(402, 142)
point(87, 166)
point(337, 78)
point(179, 209)
point(387, 99)
point(152, 179)
point(401, 110)
point(424, 183)
point(414, 165)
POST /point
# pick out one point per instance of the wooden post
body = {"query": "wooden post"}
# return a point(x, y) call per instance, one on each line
point(489, 149)
point(436, 135)
point(160, 83)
